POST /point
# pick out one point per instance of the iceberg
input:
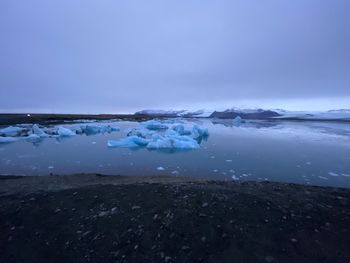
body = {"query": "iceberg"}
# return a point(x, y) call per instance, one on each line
point(172, 142)
point(34, 138)
point(180, 129)
point(65, 132)
point(7, 139)
point(128, 142)
point(154, 125)
point(140, 132)
point(198, 132)
point(237, 121)
point(11, 131)
point(93, 129)
point(38, 131)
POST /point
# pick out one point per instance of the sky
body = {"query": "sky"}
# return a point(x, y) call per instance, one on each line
point(120, 56)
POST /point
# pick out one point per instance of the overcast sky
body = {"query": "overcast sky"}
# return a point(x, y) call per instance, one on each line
point(114, 56)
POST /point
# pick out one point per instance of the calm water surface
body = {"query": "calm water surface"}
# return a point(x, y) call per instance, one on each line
point(316, 153)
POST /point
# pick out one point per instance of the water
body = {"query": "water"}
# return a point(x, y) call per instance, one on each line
point(315, 153)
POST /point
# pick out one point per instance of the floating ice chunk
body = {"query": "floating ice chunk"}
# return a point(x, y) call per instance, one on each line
point(38, 131)
point(11, 131)
point(180, 129)
point(140, 132)
point(175, 172)
point(33, 138)
point(128, 142)
point(346, 175)
point(229, 161)
point(322, 177)
point(50, 167)
point(94, 129)
point(172, 142)
point(170, 132)
point(235, 178)
point(237, 121)
point(154, 125)
point(198, 132)
point(333, 174)
point(160, 168)
point(7, 139)
point(65, 132)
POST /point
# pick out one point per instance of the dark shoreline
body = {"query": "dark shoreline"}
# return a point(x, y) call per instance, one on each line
point(12, 119)
point(96, 218)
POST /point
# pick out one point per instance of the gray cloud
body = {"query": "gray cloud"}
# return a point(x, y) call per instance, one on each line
point(83, 56)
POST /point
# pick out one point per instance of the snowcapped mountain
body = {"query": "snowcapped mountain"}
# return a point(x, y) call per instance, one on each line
point(341, 114)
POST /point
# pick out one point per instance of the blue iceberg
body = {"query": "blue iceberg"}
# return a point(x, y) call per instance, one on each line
point(128, 142)
point(154, 125)
point(65, 132)
point(11, 131)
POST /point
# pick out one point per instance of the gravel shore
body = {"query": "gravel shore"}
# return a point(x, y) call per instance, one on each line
point(95, 218)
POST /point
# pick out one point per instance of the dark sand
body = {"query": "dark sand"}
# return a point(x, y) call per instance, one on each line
point(91, 218)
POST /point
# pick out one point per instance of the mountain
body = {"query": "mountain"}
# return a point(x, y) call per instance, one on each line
point(245, 114)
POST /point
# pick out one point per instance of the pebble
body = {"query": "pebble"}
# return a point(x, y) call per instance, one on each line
point(269, 259)
point(293, 240)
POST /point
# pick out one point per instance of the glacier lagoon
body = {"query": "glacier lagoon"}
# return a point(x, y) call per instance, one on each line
point(314, 153)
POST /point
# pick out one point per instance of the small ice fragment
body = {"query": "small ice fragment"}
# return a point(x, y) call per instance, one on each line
point(333, 174)
point(235, 178)
point(215, 171)
point(212, 157)
point(322, 177)
point(346, 175)
point(308, 163)
point(50, 167)
point(232, 171)
point(229, 161)
point(160, 168)
point(175, 172)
